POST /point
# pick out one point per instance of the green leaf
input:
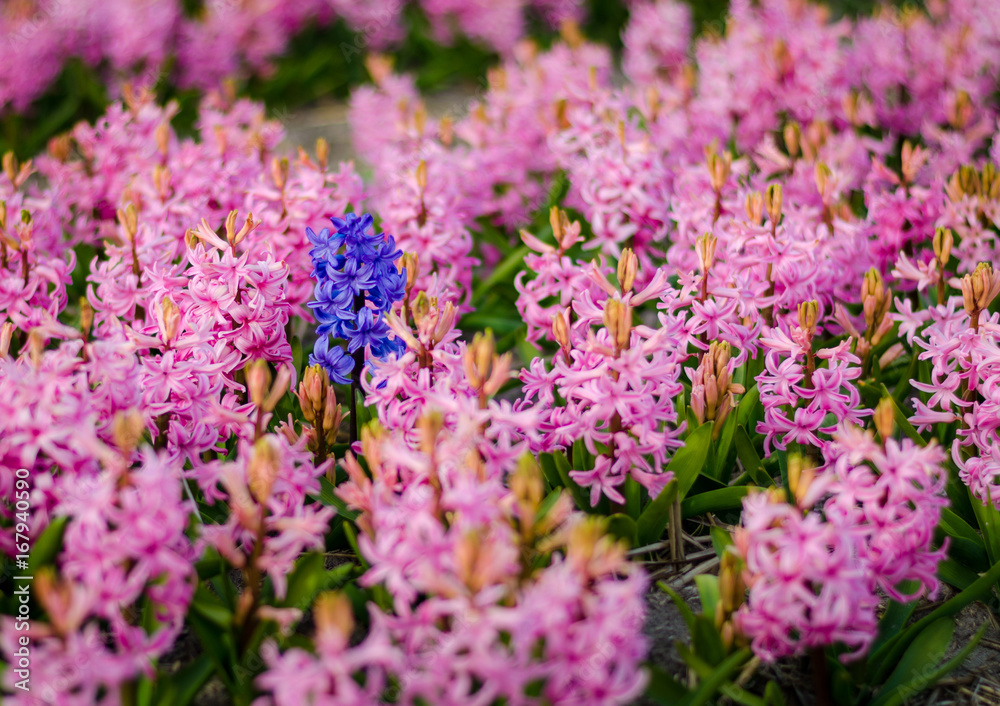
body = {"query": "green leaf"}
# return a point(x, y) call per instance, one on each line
point(955, 574)
point(689, 460)
point(549, 471)
point(720, 539)
point(653, 519)
point(180, 688)
point(715, 501)
point(306, 580)
point(297, 357)
point(210, 607)
point(210, 564)
point(623, 527)
point(503, 272)
point(921, 665)
point(633, 497)
point(705, 670)
point(582, 458)
point(682, 607)
point(971, 555)
point(723, 466)
point(580, 496)
point(955, 526)
point(880, 662)
point(902, 421)
point(895, 618)
point(706, 640)
point(352, 539)
point(48, 544)
point(364, 413)
point(328, 496)
point(747, 405)
point(216, 646)
point(709, 687)
point(989, 523)
point(708, 591)
point(748, 456)
point(663, 688)
point(773, 695)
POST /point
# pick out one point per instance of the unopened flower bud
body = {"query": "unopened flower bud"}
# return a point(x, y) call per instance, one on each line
point(570, 32)
point(960, 110)
point(170, 320)
point(263, 467)
point(279, 172)
point(59, 147)
point(129, 220)
point(793, 139)
point(446, 131)
point(913, 158)
point(772, 202)
point(883, 419)
point(429, 426)
point(421, 307)
point(891, 354)
point(969, 180)
point(562, 119)
point(322, 152)
point(411, 263)
point(86, 316)
point(162, 136)
point(809, 315)
point(980, 288)
point(728, 635)
point(823, 175)
point(731, 586)
point(332, 415)
point(560, 330)
point(236, 237)
point(874, 300)
point(556, 221)
point(990, 182)
point(258, 377)
point(755, 207)
point(10, 165)
point(334, 619)
point(420, 118)
point(719, 168)
point(161, 181)
point(126, 430)
point(528, 488)
point(421, 175)
point(312, 392)
point(800, 476)
point(944, 238)
point(618, 321)
point(628, 264)
point(705, 247)
point(6, 334)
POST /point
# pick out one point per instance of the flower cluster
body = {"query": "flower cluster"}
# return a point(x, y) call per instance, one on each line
point(138, 40)
point(483, 581)
point(813, 573)
point(357, 285)
point(801, 399)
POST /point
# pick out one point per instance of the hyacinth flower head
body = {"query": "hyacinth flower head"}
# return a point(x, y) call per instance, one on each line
point(357, 284)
